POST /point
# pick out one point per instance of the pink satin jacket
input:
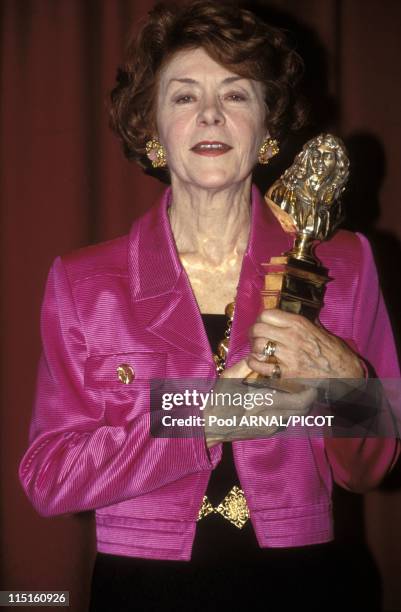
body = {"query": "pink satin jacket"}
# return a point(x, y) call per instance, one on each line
point(129, 301)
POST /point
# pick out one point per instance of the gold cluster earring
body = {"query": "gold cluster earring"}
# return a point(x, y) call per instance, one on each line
point(268, 149)
point(156, 153)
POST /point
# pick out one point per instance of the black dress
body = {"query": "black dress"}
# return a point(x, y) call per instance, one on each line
point(228, 569)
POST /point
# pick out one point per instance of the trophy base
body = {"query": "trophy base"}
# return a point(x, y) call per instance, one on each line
point(294, 286)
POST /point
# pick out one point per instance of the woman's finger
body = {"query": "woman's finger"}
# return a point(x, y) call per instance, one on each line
point(239, 370)
point(264, 368)
point(280, 318)
point(265, 332)
point(298, 324)
point(259, 346)
point(288, 342)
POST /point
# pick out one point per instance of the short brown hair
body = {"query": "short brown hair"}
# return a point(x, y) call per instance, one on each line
point(234, 37)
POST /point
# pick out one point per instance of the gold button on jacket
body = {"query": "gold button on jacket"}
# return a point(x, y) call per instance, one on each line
point(125, 373)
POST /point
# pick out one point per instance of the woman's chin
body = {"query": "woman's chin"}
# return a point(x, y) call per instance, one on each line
point(214, 180)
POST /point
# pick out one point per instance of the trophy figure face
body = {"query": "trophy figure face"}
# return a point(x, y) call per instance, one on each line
point(309, 192)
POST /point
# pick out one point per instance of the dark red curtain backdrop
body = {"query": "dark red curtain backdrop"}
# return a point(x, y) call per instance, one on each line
point(65, 184)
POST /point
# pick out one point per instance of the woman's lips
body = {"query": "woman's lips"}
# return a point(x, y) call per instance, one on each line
point(211, 148)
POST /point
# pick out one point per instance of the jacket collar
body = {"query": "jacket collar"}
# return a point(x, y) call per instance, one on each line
point(160, 289)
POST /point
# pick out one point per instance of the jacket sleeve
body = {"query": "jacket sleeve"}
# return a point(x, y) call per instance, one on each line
point(359, 464)
point(75, 461)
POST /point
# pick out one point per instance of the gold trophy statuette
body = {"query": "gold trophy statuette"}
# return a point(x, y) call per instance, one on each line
point(306, 201)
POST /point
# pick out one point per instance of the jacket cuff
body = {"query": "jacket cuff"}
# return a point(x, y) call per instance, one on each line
point(360, 464)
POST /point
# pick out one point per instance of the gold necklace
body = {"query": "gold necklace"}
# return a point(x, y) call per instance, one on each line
point(233, 507)
point(222, 348)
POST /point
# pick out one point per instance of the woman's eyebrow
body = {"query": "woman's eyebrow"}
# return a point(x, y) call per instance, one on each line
point(194, 82)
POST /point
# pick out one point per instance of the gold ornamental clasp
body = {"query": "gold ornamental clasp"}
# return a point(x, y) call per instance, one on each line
point(233, 508)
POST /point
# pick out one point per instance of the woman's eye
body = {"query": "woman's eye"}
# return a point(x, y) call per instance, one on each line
point(236, 97)
point(183, 99)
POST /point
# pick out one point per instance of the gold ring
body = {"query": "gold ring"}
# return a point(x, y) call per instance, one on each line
point(269, 349)
point(276, 372)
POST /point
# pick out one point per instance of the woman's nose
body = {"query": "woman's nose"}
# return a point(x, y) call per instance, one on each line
point(211, 113)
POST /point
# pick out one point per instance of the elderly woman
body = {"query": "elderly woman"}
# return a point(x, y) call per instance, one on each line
point(205, 94)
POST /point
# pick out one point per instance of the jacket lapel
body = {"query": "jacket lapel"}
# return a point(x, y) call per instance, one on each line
point(162, 297)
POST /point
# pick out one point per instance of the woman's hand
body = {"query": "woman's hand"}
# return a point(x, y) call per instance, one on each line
point(284, 405)
point(303, 349)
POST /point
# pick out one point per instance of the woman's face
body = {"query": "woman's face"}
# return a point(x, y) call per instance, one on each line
point(200, 101)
